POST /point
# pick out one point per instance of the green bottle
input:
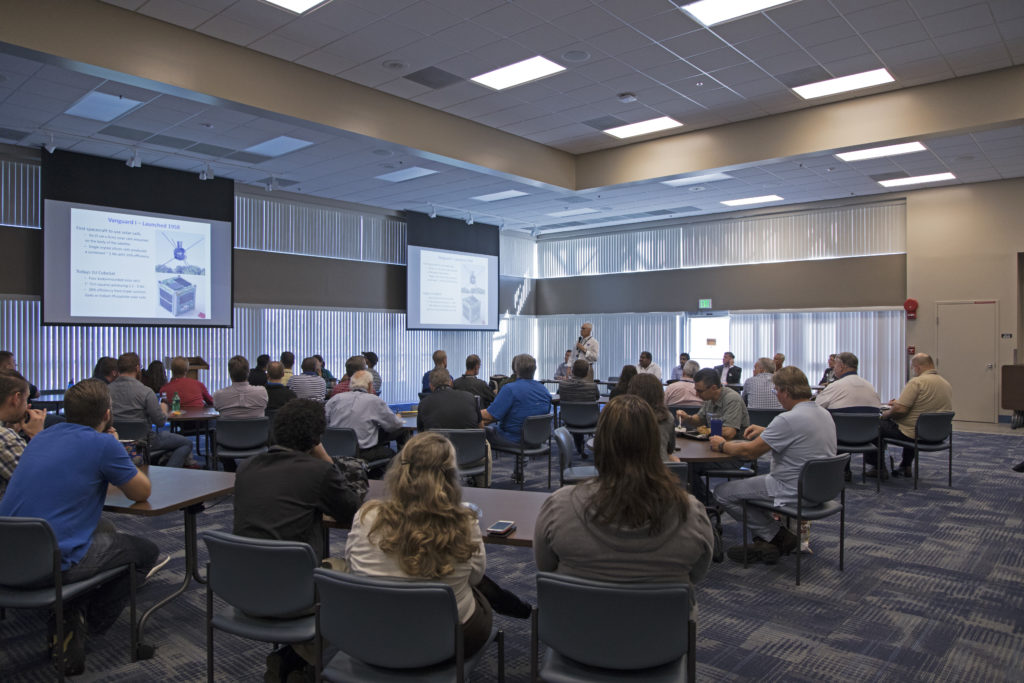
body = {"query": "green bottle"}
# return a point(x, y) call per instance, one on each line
point(176, 403)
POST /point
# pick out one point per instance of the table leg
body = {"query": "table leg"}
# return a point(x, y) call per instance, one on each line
point(145, 651)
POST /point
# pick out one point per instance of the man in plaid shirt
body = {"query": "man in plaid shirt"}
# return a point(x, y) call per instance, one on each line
point(758, 391)
point(18, 422)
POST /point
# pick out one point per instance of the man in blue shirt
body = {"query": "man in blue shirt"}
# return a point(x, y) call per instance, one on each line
point(516, 401)
point(62, 477)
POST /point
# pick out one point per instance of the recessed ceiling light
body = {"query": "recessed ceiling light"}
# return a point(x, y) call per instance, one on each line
point(753, 200)
point(275, 147)
point(696, 180)
point(496, 196)
point(887, 151)
point(297, 6)
point(643, 127)
point(406, 174)
point(576, 56)
point(572, 212)
point(711, 12)
point(99, 106)
point(516, 74)
point(832, 86)
point(915, 180)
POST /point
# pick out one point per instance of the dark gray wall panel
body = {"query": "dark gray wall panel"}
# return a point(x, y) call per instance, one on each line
point(22, 269)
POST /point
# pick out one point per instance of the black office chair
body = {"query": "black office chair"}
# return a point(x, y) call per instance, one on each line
point(534, 441)
point(685, 407)
point(268, 586)
point(567, 474)
point(579, 417)
point(30, 557)
point(603, 631)
point(762, 417)
point(821, 481)
point(470, 452)
point(681, 470)
point(416, 633)
point(240, 439)
point(933, 432)
point(340, 442)
point(136, 430)
point(859, 433)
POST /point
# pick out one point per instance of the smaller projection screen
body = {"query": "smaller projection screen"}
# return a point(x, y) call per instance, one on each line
point(451, 274)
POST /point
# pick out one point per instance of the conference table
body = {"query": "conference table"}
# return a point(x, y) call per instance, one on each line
point(521, 507)
point(174, 488)
point(202, 417)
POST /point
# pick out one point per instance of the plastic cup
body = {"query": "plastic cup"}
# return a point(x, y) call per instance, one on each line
point(715, 423)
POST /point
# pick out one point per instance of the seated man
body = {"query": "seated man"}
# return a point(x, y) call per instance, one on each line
point(134, 401)
point(7, 362)
point(677, 371)
point(240, 400)
point(758, 391)
point(647, 367)
point(926, 392)
point(472, 383)
point(515, 402)
point(63, 477)
point(18, 423)
point(106, 369)
point(371, 365)
point(353, 365)
point(440, 359)
point(288, 361)
point(309, 384)
point(285, 493)
point(371, 418)
point(258, 375)
point(682, 392)
point(564, 370)
point(578, 389)
point(804, 432)
point(191, 392)
point(449, 408)
point(848, 391)
point(728, 371)
point(277, 393)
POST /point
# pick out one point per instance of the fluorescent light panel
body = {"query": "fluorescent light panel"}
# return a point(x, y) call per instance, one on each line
point(572, 212)
point(887, 151)
point(497, 196)
point(516, 74)
point(915, 180)
point(631, 130)
point(711, 12)
point(296, 6)
point(275, 147)
point(410, 173)
point(99, 106)
point(832, 86)
point(753, 200)
point(696, 180)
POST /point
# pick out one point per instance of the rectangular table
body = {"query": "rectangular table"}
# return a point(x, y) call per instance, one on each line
point(174, 489)
point(202, 417)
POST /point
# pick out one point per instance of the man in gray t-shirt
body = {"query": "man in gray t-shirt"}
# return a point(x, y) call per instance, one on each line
point(804, 432)
point(720, 401)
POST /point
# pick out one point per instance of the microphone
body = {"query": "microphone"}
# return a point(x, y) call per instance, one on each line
point(579, 340)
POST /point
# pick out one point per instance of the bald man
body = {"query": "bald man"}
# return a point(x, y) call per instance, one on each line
point(926, 392)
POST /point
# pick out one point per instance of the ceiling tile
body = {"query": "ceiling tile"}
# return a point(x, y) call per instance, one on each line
point(958, 21)
point(740, 73)
point(747, 28)
point(326, 61)
point(666, 25)
point(798, 14)
point(647, 57)
point(717, 59)
point(881, 16)
point(507, 20)
point(976, 37)
point(175, 12)
point(822, 32)
point(280, 47)
point(694, 43)
point(424, 17)
point(230, 30)
point(893, 36)
point(587, 23)
point(767, 46)
point(544, 38)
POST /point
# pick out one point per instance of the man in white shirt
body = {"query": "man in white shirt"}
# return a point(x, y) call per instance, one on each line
point(587, 348)
point(371, 418)
point(647, 367)
point(850, 390)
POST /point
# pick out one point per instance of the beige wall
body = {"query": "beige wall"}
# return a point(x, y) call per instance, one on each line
point(962, 244)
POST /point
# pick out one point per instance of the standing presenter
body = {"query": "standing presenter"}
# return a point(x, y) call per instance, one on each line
point(587, 348)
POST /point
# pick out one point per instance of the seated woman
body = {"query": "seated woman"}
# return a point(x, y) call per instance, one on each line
point(648, 387)
point(633, 522)
point(627, 373)
point(422, 531)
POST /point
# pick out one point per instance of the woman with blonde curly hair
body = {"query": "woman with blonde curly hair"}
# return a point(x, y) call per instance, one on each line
point(422, 531)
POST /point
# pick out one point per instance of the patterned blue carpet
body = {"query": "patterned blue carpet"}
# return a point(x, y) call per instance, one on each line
point(932, 591)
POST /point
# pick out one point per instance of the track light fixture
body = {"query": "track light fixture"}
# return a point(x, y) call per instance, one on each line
point(433, 211)
point(50, 146)
point(206, 173)
point(271, 184)
point(135, 161)
point(469, 221)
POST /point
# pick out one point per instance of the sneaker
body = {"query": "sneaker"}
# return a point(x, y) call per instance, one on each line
point(74, 642)
point(786, 541)
point(759, 551)
point(157, 567)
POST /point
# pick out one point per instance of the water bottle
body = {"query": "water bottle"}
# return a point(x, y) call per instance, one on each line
point(176, 403)
point(71, 383)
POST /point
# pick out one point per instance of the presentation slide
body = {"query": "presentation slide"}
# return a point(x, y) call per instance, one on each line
point(452, 290)
point(110, 266)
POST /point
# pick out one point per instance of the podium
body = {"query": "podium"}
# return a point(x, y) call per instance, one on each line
point(195, 364)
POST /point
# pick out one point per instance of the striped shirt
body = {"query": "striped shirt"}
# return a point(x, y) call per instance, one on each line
point(309, 385)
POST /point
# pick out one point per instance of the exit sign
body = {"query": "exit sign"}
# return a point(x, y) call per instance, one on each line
point(704, 303)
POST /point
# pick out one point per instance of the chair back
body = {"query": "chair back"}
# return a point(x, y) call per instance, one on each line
point(579, 414)
point(935, 426)
point(340, 442)
point(762, 416)
point(613, 625)
point(30, 551)
point(137, 430)
point(822, 479)
point(261, 577)
point(414, 623)
point(242, 435)
point(856, 429)
point(682, 472)
point(470, 445)
point(685, 407)
point(614, 379)
point(536, 430)
point(566, 447)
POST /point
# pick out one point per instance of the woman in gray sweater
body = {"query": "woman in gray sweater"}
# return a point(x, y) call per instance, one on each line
point(633, 522)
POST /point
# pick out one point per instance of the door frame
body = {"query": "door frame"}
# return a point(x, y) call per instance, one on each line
point(995, 345)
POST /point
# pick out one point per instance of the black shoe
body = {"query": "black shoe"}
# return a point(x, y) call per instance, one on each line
point(907, 471)
point(74, 642)
point(503, 601)
point(786, 541)
point(1019, 467)
point(847, 475)
point(759, 551)
point(280, 663)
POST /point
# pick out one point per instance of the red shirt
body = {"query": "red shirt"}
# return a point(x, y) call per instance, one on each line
point(190, 391)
